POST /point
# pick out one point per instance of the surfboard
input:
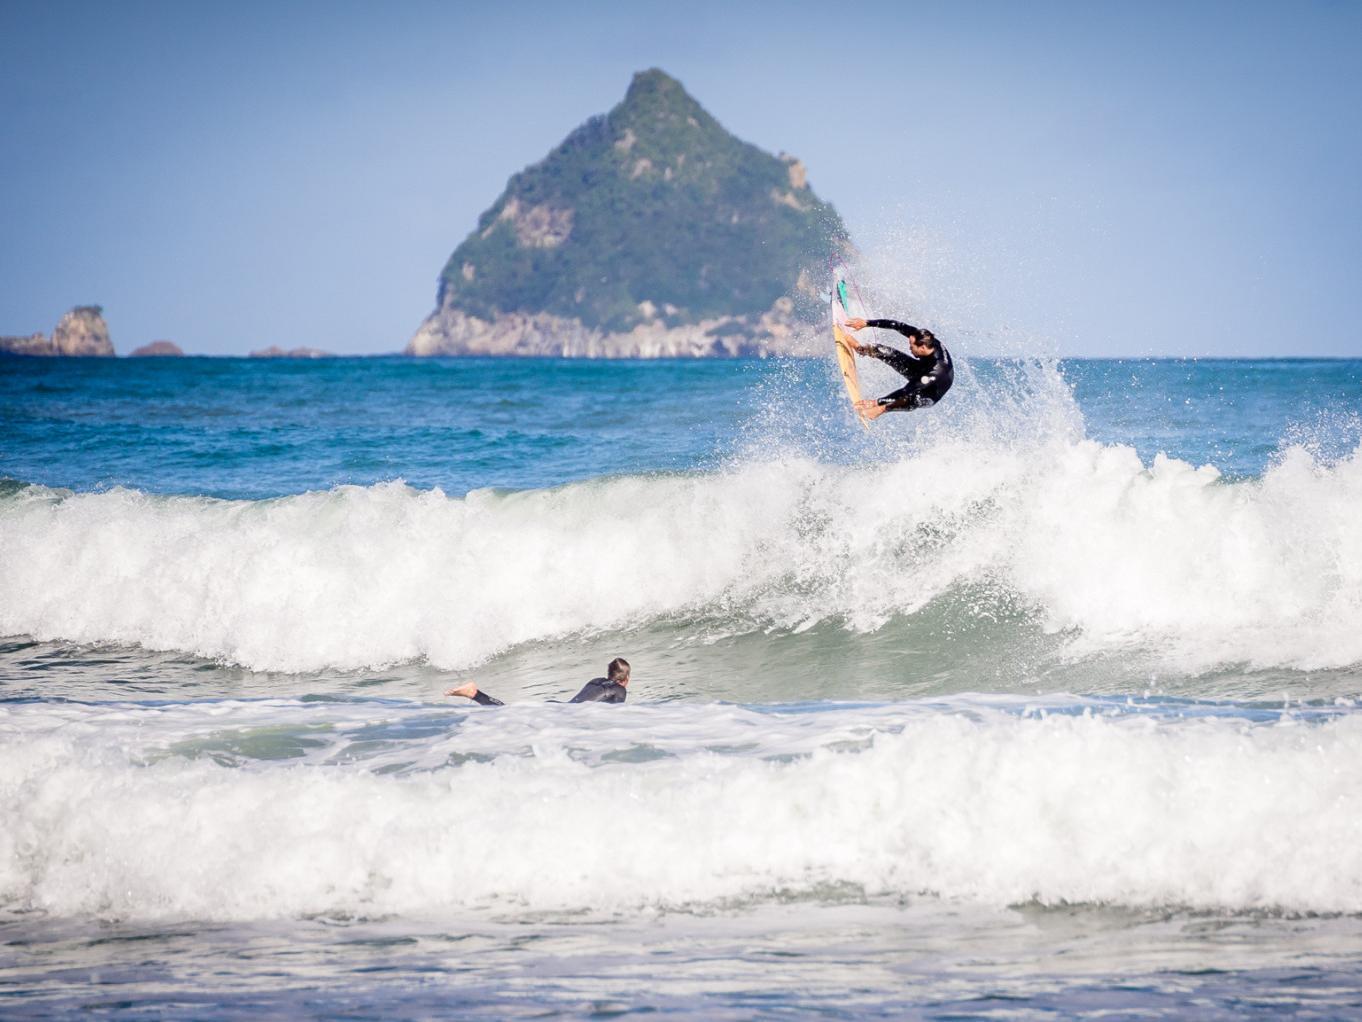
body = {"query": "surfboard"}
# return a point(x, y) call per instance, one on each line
point(845, 306)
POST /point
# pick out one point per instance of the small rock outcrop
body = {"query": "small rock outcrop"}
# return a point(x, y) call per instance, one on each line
point(158, 349)
point(274, 351)
point(82, 332)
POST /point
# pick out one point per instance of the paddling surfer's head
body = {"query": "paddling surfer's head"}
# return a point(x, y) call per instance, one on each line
point(618, 671)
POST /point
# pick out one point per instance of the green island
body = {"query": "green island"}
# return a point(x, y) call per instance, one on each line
point(650, 230)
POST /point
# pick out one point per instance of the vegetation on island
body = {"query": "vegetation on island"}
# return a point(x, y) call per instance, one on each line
point(652, 212)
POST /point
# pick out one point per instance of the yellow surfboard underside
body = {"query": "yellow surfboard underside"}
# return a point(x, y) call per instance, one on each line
point(847, 361)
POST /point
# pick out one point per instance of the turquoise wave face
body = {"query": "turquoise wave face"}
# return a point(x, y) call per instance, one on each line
point(237, 428)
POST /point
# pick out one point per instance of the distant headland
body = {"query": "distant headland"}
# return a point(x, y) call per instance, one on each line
point(650, 231)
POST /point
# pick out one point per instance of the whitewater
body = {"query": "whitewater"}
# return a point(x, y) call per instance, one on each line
point(133, 812)
point(1065, 672)
point(1079, 538)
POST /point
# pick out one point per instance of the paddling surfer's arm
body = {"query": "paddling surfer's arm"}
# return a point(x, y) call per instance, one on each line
point(597, 690)
point(471, 691)
point(613, 688)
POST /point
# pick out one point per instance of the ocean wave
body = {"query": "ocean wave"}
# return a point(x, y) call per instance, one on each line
point(1082, 539)
point(984, 806)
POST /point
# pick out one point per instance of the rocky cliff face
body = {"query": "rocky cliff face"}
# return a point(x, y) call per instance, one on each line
point(450, 331)
point(649, 232)
point(81, 332)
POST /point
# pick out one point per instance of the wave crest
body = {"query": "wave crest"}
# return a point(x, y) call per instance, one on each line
point(1088, 540)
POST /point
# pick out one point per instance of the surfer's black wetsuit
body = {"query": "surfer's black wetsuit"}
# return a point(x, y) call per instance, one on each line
point(928, 378)
point(597, 690)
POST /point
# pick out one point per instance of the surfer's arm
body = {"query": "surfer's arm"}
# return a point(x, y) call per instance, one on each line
point(849, 326)
point(908, 331)
point(471, 691)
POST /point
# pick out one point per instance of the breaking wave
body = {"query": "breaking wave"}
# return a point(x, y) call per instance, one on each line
point(585, 809)
point(1079, 538)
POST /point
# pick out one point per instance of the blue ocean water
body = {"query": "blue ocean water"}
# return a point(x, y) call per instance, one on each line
point(243, 428)
point(1038, 703)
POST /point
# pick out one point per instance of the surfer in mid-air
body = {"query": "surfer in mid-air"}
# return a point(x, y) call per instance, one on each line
point(610, 689)
point(927, 369)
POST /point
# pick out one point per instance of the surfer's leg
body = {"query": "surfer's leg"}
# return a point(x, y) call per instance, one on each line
point(905, 365)
point(905, 399)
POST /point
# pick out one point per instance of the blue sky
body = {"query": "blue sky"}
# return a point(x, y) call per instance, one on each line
point(1088, 178)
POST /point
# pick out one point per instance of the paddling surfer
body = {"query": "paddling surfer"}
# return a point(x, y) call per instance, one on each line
point(610, 689)
point(928, 368)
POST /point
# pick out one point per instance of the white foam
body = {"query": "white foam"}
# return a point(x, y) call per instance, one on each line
point(1165, 557)
point(983, 806)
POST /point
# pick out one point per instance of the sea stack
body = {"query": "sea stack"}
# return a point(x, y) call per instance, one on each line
point(649, 232)
point(81, 332)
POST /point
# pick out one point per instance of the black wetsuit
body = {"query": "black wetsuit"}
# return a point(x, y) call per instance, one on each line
point(928, 378)
point(597, 690)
